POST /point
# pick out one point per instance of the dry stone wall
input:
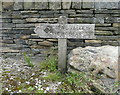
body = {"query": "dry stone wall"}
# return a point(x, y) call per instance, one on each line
point(20, 18)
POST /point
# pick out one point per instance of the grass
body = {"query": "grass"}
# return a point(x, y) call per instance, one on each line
point(71, 82)
point(76, 82)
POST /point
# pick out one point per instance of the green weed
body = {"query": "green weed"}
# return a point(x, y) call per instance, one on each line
point(27, 60)
point(49, 64)
point(117, 84)
point(53, 77)
point(31, 88)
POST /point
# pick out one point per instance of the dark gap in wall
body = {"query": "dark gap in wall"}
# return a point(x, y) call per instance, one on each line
point(61, 5)
point(71, 5)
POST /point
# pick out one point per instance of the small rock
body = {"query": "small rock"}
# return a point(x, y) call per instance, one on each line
point(25, 37)
point(45, 43)
point(52, 40)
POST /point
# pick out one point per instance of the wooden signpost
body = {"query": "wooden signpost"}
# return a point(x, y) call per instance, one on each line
point(62, 31)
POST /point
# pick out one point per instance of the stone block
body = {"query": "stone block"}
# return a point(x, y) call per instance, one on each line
point(102, 15)
point(29, 42)
point(47, 16)
point(7, 25)
point(112, 43)
point(117, 33)
point(38, 47)
point(53, 20)
point(68, 12)
point(7, 5)
point(5, 20)
point(6, 50)
point(105, 33)
point(25, 25)
point(92, 42)
point(6, 32)
point(112, 20)
point(22, 31)
point(45, 43)
point(30, 16)
point(40, 4)
point(107, 28)
point(25, 37)
point(84, 11)
point(28, 12)
point(115, 15)
point(54, 4)
point(58, 15)
point(4, 35)
point(106, 4)
point(36, 40)
point(18, 4)
point(116, 24)
point(102, 11)
point(8, 41)
point(31, 19)
point(119, 5)
point(81, 15)
point(1, 8)
point(41, 12)
point(16, 14)
point(75, 44)
point(83, 20)
point(77, 4)
point(18, 21)
point(34, 36)
point(87, 5)
point(19, 41)
point(103, 25)
point(19, 46)
point(7, 37)
point(52, 40)
point(6, 14)
point(66, 4)
point(43, 20)
point(106, 38)
point(98, 20)
point(71, 20)
point(24, 28)
point(29, 4)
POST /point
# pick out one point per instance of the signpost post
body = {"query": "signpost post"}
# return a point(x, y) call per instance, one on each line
point(62, 31)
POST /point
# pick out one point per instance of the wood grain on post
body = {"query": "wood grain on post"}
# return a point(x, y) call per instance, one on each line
point(62, 47)
point(62, 52)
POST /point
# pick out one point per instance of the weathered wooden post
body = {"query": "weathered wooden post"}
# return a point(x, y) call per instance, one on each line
point(62, 31)
point(62, 47)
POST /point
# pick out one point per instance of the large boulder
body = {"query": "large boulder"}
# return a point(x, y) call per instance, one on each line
point(102, 62)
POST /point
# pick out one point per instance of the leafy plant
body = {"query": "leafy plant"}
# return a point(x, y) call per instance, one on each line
point(49, 64)
point(77, 81)
point(53, 76)
point(31, 88)
point(38, 91)
point(116, 84)
point(28, 60)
